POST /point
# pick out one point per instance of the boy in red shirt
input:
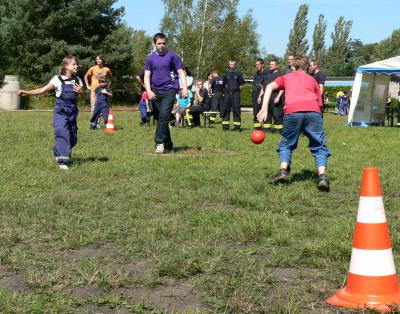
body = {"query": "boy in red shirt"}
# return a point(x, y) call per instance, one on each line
point(302, 114)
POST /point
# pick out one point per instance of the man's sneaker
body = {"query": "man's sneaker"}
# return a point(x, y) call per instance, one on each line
point(282, 176)
point(63, 166)
point(323, 183)
point(160, 149)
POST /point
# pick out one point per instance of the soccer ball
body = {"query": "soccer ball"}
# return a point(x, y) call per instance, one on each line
point(257, 136)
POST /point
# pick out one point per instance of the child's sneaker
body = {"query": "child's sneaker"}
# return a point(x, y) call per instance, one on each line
point(63, 166)
point(282, 176)
point(323, 183)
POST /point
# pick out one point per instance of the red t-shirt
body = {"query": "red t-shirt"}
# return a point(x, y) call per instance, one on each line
point(302, 92)
point(144, 96)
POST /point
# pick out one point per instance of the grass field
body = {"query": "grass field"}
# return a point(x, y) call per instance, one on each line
point(196, 231)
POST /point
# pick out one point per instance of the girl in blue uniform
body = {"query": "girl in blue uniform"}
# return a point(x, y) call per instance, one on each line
point(67, 87)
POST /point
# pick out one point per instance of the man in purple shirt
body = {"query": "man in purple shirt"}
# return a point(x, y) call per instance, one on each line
point(161, 72)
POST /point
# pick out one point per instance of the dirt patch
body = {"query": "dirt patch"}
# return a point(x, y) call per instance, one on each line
point(96, 309)
point(173, 295)
point(140, 269)
point(195, 152)
point(14, 283)
point(85, 292)
point(85, 252)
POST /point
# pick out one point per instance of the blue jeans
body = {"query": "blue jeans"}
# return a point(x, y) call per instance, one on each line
point(162, 108)
point(311, 124)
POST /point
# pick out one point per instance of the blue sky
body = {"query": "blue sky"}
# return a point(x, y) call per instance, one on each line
point(372, 20)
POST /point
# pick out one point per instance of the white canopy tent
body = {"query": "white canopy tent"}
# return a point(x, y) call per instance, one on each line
point(370, 90)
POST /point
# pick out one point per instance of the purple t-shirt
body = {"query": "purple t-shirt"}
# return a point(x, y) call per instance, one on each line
point(164, 70)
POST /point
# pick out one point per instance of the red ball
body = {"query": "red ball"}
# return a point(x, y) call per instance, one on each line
point(257, 136)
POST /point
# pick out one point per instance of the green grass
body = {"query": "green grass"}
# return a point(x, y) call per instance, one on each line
point(201, 230)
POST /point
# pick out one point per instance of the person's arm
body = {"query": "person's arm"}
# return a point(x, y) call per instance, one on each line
point(86, 79)
point(278, 97)
point(150, 93)
point(182, 77)
point(241, 82)
point(321, 88)
point(262, 115)
point(260, 95)
point(199, 95)
point(139, 80)
point(109, 76)
point(37, 91)
point(108, 92)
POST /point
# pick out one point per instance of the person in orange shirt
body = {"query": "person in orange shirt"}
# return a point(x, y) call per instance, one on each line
point(99, 70)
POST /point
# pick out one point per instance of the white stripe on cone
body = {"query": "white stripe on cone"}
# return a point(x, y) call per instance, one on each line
point(372, 262)
point(370, 210)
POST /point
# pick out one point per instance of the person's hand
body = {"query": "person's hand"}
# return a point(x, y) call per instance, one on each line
point(259, 100)
point(77, 88)
point(276, 100)
point(185, 93)
point(88, 87)
point(151, 95)
point(262, 115)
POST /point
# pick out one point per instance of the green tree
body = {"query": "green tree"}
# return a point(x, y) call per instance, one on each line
point(141, 48)
point(38, 34)
point(318, 48)
point(339, 52)
point(388, 47)
point(298, 44)
point(207, 33)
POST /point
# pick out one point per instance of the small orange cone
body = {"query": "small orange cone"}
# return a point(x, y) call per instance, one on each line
point(110, 123)
point(372, 279)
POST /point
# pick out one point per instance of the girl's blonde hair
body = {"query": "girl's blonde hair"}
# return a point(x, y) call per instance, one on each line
point(67, 60)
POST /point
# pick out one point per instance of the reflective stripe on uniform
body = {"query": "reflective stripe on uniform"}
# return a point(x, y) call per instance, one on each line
point(225, 122)
point(278, 126)
point(268, 125)
point(236, 123)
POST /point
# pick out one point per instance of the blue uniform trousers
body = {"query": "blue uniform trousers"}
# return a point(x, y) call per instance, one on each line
point(99, 109)
point(65, 131)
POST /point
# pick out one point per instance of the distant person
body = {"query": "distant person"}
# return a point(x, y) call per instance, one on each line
point(145, 105)
point(233, 84)
point(339, 96)
point(68, 86)
point(255, 92)
point(180, 108)
point(302, 115)
point(343, 103)
point(145, 109)
point(319, 77)
point(201, 103)
point(289, 67)
point(102, 106)
point(189, 78)
point(388, 107)
point(398, 110)
point(99, 70)
point(162, 69)
point(274, 121)
point(217, 88)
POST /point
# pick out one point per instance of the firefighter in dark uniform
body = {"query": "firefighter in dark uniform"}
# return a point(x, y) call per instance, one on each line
point(217, 89)
point(274, 121)
point(255, 91)
point(233, 83)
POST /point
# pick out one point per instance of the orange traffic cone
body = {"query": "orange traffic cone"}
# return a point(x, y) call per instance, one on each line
point(110, 123)
point(372, 279)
